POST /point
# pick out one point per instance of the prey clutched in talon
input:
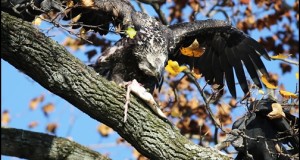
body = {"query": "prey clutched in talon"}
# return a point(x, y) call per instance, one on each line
point(140, 91)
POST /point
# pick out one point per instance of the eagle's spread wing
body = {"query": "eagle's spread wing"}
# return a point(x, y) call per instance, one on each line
point(226, 50)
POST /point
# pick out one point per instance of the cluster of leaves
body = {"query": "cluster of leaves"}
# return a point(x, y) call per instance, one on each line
point(283, 16)
point(284, 38)
point(34, 104)
point(177, 14)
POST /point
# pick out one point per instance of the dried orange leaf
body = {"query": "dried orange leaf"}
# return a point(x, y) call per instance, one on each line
point(175, 112)
point(280, 56)
point(287, 94)
point(5, 117)
point(120, 140)
point(194, 50)
point(267, 83)
point(245, 1)
point(35, 102)
point(277, 111)
point(206, 132)
point(87, 3)
point(74, 44)
point(173, 68)
point(223, 110)
point(104, 130)
point(233, 103)
point(70, 3)
point(51, 127)
point(82, 32)
point(182, 100)
point(193, 103)
point(90, 54)
point(250, 20)
point(75, 19)
point(285, 68)
point(48, 108)
point(33, 124)
point(197, 76)
point(183, 84)
point(137, 155)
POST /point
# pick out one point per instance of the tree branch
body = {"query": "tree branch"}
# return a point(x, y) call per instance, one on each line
point(54, 68)
point(33, 145)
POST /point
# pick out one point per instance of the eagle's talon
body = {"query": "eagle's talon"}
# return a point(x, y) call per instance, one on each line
point(129, 88)
point(126, 109)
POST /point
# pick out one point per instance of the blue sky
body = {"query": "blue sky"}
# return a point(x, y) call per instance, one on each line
point(18, 89)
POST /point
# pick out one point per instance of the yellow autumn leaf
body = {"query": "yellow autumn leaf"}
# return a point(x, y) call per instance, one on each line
point(280, 56)
point(88, 3)
point(51, 127)
point(173, 68)
point(277, 111)
point(131, 32)
point(297, 75)
point(287, 94)
point(37, 21)
point(82, 32)
point(70, 4)
point(267, 83)
point(194, 50)
point(175, 112)
point(75, 19)
point(261, 91)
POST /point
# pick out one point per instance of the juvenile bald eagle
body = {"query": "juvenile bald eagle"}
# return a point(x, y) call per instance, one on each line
point(144, 57)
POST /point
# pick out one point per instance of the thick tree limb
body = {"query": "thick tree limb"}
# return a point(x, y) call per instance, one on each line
point(33, 145)
point(54, 68)
point(119, 9)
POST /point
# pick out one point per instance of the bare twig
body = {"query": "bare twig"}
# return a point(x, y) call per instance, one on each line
point(205, 99)
point(287, 61)
point(141, 7)
point(161, 15)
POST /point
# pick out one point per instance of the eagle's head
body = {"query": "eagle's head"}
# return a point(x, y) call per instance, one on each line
point(153, 65)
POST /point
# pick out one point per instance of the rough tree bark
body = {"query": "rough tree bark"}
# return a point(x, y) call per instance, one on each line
point(33, 145)
point(50, 64)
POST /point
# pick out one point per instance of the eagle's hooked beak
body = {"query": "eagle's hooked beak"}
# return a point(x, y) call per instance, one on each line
point(157, 77)
point(155, 72)
point(159, 80)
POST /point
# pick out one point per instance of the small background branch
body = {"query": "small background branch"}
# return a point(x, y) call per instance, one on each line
point(33, 145)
